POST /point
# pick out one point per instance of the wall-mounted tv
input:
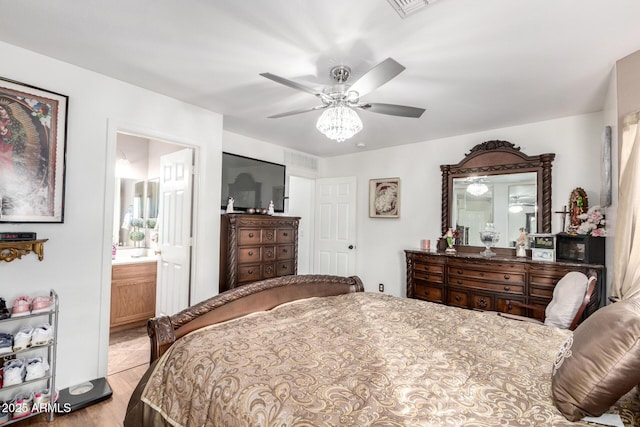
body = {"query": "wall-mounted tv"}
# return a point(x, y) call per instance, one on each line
point(252, 183)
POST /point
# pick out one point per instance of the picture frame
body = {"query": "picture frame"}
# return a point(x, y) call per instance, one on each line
point(384, 198)
point(33, 131)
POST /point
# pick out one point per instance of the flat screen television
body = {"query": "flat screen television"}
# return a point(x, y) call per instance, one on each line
point(252, 183)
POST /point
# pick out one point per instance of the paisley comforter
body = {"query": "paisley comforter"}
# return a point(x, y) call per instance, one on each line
point(362, 359)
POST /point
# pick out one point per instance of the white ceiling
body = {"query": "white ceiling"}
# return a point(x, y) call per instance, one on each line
point(474, 65)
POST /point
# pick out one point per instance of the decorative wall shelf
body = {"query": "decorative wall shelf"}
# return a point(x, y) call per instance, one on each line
point(15, 250)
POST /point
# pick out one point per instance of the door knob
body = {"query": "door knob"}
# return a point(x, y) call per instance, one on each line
point(350, 246)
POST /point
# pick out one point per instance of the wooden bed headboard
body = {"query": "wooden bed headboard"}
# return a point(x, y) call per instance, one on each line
point(258, 296)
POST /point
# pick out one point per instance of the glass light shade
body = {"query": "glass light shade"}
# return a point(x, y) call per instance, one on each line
point(477, 188)
point(123, 168)
point(515, 209)
point(339, 123)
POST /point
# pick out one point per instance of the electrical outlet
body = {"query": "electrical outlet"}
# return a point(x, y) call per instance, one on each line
point(381, 287)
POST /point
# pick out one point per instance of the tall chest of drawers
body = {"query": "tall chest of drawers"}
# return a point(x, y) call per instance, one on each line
point(472, 281)
point(256, 247)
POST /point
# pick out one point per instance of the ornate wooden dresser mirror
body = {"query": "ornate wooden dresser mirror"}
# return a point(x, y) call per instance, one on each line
point(496, 183)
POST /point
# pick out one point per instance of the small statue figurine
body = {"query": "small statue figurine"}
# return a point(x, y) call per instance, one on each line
point(270, 211)
point(230, 205)
point(521, 243)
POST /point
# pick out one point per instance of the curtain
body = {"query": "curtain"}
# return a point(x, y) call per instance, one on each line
point(626, 265)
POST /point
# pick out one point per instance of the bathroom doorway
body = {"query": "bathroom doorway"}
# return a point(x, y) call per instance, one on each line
point(136, 270)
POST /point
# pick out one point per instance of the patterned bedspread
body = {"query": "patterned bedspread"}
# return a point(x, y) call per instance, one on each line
point(361, 359)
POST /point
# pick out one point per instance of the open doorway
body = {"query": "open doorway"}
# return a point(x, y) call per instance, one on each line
point(137, 268)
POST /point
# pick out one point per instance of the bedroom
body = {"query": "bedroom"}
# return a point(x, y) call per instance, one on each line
point(99, 103)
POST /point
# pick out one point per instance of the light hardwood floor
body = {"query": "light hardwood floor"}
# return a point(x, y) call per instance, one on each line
point(108, 413)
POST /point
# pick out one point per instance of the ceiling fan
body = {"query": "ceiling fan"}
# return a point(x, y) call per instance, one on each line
point(343, 94)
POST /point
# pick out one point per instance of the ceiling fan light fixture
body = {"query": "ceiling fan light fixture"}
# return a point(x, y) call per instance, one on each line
point(339, 123)
point(477, 188)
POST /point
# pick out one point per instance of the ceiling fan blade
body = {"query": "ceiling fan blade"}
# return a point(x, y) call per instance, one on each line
point(302, 110)
point(377, 76)
point(393, 109)
point(292, 84)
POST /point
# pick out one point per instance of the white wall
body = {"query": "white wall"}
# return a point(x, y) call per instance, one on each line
point(77, 258)
point(381, 242)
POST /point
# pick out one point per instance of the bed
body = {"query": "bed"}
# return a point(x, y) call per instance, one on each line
point(319, 351)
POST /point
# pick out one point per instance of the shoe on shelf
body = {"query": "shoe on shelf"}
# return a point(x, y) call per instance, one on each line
point(21, 306)
point(41, 304)
point(4, 311)
point(37, 367)
point(42, 335)
point(42, 399)
point(4, 412)
point(14, 370)
point(6, 343)
point(22, 339)
point(22, 405)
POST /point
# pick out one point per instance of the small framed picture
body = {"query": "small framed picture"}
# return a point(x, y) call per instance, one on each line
point(384, 198)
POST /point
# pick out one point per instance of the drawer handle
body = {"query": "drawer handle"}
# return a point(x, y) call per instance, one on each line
point(285, 234)
point(250, 253)
point(457, 298)
point(481, 274)
point(284, 267)
point(426, 276)
point(507, 276)
point(459, 282)
point(507, 288)
point(285, 250)
point(269, 269)
point(459, 271)
point(482, 303)
point(250, 234)
point(269, 253)
point(554, 282)
point(250, 271)
point(426, 292)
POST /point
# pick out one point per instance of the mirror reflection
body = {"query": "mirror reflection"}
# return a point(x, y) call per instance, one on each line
point(138, 211)
point(508, 201)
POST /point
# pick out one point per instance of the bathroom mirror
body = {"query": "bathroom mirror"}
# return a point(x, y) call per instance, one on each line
point(497, 183)
point(136, 210)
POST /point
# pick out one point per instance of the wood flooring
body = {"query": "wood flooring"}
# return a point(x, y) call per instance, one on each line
point(124, 374)
point(108, 413)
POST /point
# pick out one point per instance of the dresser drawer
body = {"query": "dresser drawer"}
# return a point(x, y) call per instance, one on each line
point(249, 236)
point(429, 268)
point(516, 288)
point(495, 276)
point(247, 255)
point(284, 268)
point(457, 298)
point(430, 277)
point(285, 235)
point(249, 273)
point(284, 251)
point(429, 293)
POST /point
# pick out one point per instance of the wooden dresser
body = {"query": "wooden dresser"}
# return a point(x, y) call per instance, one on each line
point(256, 247)
point(133, 294)
point(473, 281)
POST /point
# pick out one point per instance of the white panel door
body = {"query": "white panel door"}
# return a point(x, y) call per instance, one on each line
point(174, 232)
point(335, 226)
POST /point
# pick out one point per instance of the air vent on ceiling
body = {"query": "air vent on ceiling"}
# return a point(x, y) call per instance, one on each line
point(408, 7)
